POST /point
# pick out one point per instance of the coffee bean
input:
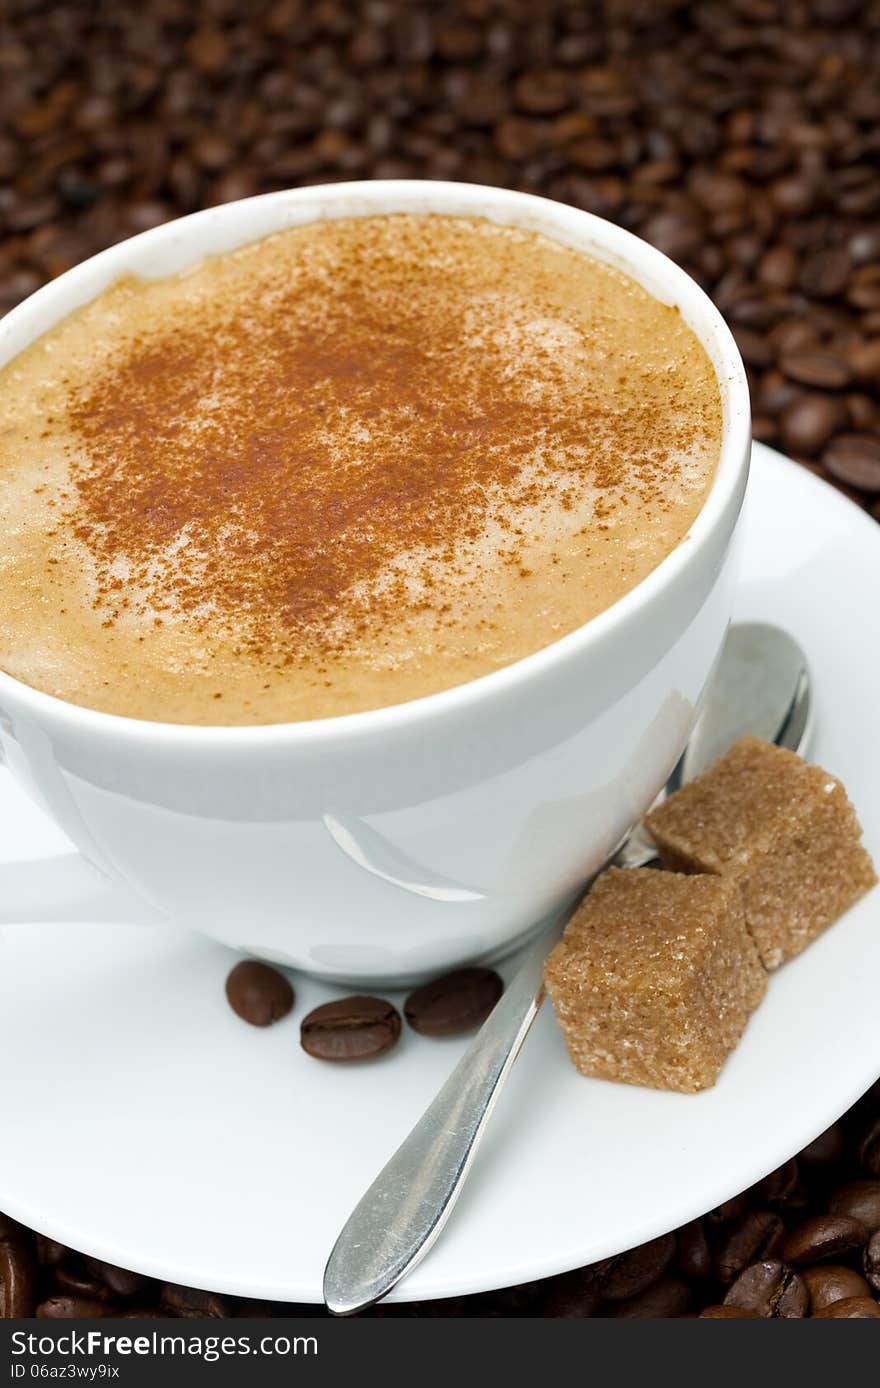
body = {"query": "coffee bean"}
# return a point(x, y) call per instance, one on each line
point(144, 214)
point(49, 1253)
point(477, 103)
point(793, 335)
point(237, 183)
point(72, 1308)
point(820, 369)
point(863, 414)
point(357, 1028)
point(74, 1278)
point(727, 1212)
point(774, 392)
point(246, 1309)
point(212, 151)
point(457, 1002)
point(783, 1189)
point(864, 246)
point(193, 1304)
point(656, 172)
point(777, 268)
point(543, 93)
point(119, 1281)
point(593, 154)
point(868, 1106)
point(628, 1274)
point(868, 1148)
point(208, 49)
point(793, 195)
point(853, 1308)
point(27, 213)
point(518, 137)
point(871, 1262)
point(823, 1236)
point(573, 1296)
point(727, 1313)
point(764, 428)
point(17, 1274)
point(718, 192)
point(578, 48)
point(677, 234)
point(756, 1236)
point(754, 347)
point(824, 273)
point(76, 190)
point(10, 1228)
point(855, 460)
point(863, 290)
point(809, 421)
point(828, 1282)
point(757, 314)
point(769, 1289)
point(17, 285)
point(864, 361)
point(670, 1296)
point(447, 1306)
point(693, 1257)
point(512, 1301)
point(457, 40)
point(825, 1150)
point(258, 993)
point(860, 1200)
point(412, 38)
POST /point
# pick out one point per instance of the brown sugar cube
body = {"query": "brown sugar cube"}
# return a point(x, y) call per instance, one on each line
point(782, 829)
point(655, 978)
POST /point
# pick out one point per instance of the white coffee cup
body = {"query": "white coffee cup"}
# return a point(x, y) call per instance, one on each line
point(390, 845)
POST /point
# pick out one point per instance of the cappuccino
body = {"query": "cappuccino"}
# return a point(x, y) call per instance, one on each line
point(354, 463)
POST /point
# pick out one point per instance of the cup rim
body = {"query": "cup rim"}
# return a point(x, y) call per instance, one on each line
point(574, 226)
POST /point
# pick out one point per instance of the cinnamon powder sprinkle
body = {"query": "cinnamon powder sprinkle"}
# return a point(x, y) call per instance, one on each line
point(374, 433)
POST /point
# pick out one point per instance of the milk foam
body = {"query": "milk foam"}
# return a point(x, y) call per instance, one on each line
point(348, 465)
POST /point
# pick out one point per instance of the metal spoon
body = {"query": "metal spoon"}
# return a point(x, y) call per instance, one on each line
point(760, 686)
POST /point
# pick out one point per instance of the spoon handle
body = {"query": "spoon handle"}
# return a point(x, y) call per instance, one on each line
point(409, 1202)
point(404, 1210)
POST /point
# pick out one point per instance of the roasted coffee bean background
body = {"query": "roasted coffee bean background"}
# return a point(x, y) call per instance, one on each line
point(741, 137)
point(804, 1241)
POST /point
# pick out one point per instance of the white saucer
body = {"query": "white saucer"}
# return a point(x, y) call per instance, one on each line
point(143, 1122)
